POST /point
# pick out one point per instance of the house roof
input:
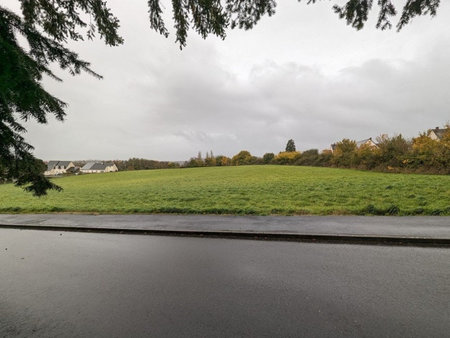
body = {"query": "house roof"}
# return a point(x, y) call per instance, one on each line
point(53, 164)
point(88, 166)
point(99, 166)
point(362, 142)
point(96, 166)
point(64, 163)
point(439, 132)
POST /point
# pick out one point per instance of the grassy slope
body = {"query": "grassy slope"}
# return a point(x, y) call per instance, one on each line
point(240, 190)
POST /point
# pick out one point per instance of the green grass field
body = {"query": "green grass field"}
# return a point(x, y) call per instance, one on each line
point(246, 190)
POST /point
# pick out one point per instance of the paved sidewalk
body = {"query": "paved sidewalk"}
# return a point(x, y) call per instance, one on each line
point(425, 227)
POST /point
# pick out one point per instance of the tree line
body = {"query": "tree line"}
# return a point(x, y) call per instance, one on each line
point(144, 164)
point(421, 154)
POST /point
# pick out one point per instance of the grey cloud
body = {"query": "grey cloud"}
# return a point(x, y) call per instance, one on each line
point(160, 103)
point(188, 109)
point(290, 100)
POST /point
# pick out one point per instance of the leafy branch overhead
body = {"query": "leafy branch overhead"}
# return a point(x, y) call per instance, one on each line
point(47, 25)
point(215, 16)
point(62, 19)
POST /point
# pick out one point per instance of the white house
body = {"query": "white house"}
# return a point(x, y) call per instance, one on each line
point(98, 167)
point(58, 167)
point(367, 142)
point(436, 133)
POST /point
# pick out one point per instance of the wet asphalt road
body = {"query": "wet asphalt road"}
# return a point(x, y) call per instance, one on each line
point(69, 284)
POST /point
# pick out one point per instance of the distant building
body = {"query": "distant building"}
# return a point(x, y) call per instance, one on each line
point(437, 133)
point(98, 167)
point(58, 167)
point(366, 142)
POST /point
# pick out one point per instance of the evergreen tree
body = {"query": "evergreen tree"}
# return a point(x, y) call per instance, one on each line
point(22, 96)
point(290, 146)
point(47, 25)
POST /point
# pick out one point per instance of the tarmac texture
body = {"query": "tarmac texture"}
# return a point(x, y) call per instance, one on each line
point(73, 284)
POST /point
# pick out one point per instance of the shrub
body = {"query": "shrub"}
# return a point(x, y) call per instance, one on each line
point(287, 157)
point(344, 153)
point(222, 161)
point(392, 151)
point(242, 158)
point(308, 157)
point(268, 158)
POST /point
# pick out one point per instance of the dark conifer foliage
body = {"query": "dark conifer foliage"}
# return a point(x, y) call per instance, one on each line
point(290, 146)
point(215, 16)
point(356, 12)
point(47, 25)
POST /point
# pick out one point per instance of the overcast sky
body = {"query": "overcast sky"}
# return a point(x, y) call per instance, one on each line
point(301, 74)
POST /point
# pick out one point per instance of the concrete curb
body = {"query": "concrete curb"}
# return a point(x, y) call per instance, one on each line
point(268, 236)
